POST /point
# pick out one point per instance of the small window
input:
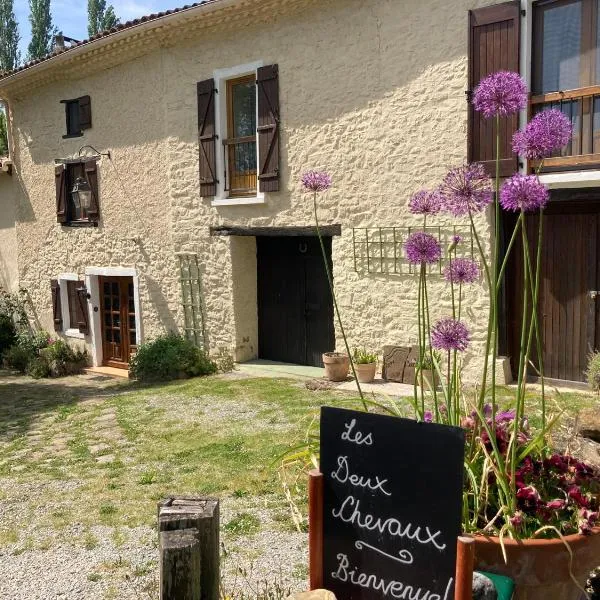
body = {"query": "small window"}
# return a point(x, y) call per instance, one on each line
point(78, 113)
point(240, 144)
point(74, 309)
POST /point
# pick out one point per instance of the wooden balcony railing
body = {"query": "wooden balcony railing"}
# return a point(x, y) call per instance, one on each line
point(240, 169)
point(582, 107)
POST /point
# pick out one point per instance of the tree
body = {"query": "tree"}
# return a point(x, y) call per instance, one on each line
point(3, 133)
point(100, 17)
point(41, 29)
point(9, 37)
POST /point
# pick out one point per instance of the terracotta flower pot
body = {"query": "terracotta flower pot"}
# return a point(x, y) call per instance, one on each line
point(365, 372)
point(337, 365)
point(540, 568)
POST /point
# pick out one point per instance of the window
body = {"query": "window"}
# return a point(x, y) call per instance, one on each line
point(238, 134)
point(70, 305)
point(77, 193)
point(566, 73)
point(78, 114)
point(240, 144)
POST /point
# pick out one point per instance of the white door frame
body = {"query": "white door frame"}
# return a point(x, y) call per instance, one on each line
point(92, 275)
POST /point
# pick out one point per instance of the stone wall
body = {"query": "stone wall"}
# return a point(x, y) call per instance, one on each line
point(371, 90)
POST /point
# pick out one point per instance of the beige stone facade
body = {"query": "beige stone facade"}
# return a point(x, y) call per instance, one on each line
point(373, 91)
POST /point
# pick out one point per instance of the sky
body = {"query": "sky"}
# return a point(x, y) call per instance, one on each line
point(70, 17)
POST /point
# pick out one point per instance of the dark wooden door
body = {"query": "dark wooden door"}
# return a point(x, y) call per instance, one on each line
point(568, 310)
point(295, 307)
point(118, 320)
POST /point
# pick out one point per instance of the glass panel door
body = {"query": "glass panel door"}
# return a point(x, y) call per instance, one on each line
point(118, 320)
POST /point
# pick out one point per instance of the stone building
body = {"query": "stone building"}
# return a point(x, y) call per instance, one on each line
point(155, 172)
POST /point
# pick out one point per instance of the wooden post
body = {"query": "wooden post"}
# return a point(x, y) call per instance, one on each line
point(465, 563)
point(315, 529)
point(202, 514)
point(179, 565)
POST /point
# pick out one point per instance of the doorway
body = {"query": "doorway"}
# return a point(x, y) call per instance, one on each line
point(568, 309)
point(295, 305)
point(117, 320)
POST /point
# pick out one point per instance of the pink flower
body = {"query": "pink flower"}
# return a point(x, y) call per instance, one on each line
point(517, 519)
point(466, 190)
point(528, 493)
point(502, 93)
point(556, 504)
point(316, 181)
point(523, 193)
point(425, 202)
point(422, 248)
point(549, 131)
point(580, 499)
point(428, 416)
point(462, 270)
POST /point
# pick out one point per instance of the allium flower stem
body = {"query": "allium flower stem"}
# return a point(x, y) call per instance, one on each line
point(337, 311)
point(511, 243)
point(494, 289)
point(428, 343)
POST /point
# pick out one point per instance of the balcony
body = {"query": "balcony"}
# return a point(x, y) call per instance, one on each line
point(582, 107)
point(240, 166)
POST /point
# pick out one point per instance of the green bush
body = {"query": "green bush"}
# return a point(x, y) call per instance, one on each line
point(34, 341)
point(38, 368)
point(8, 332)
point(593, 371)
point(62, 359)
point(170, 356)
point(18, 358)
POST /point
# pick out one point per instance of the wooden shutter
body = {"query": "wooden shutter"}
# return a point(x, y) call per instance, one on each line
point(85, 112)
point(82, 309)
point(61, 193)
point(56, 306)
point(91, 174)
point(267, 81)
point(493, 46)
point(207, 137)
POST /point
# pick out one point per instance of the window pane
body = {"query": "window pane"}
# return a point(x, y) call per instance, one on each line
point(73, 116)
point(244, 108)
point(561, 48)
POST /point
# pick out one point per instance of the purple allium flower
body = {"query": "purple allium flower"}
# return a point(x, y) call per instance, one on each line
point(316, 181)
point(523, 192)
point(466, 189)
point(506, 416)
point(502, 93)
point(421, 248)
point(549, 131)
point(462, 270)
point(425, 202)
point(428, 416)
point(448, 334)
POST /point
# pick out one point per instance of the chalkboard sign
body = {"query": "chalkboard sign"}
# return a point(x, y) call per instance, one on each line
point(392, 506)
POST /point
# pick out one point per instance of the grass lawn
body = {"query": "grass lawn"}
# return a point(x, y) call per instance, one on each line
point(84, 460)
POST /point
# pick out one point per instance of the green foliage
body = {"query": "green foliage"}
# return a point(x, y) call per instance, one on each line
point(62, 359)
point(8, 333)
point(9, 37)
point(100, 17)
point(243, 524)
point(3, 130)
point(12, 318)
point(170, 356)
point(224, 361)
point(362, 356)
point(427, 364)
point(41, 29)
point(18, 358)
point(593, 371)
point(38, 368)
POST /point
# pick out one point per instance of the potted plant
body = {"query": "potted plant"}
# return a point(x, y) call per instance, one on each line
point(533, 512)
point(425, 367)
point(337, 365)
point(365, 364)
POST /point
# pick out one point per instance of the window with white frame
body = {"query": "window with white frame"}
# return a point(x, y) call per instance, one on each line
point(73, 305)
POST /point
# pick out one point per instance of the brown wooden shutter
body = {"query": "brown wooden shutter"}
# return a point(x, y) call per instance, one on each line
point(82, 309)
point(267, 81)
point(85, 112)
point(61, 193)
point(56, 306)
point(493, 46)
point(91, 174)
point(207, 137)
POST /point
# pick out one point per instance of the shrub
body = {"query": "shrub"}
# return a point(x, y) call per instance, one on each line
point(593, 371)
point(33, 341)
point(170, 356)
point(18, 358)
point(38, 368)
point(362, 356)
point(8, 332)
point(62, 359)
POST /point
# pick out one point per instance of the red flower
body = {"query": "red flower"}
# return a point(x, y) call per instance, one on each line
point(556, 504)
point(528, 493)
point(575, 492)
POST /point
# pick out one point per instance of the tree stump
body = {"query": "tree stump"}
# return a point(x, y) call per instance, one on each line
point(202, 514)
point(180, 565)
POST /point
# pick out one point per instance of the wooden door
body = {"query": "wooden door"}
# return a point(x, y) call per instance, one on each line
point(295, 306)
point(117, 320)
point(567, 309)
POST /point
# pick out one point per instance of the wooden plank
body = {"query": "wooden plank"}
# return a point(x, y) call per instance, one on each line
point(326, 231)
point(577, 274)
point(199, 513)
point(583, 92)
point(465, 563)
point(570, 161)
point(315, 529)
point(180, 569)
point(561, 283)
